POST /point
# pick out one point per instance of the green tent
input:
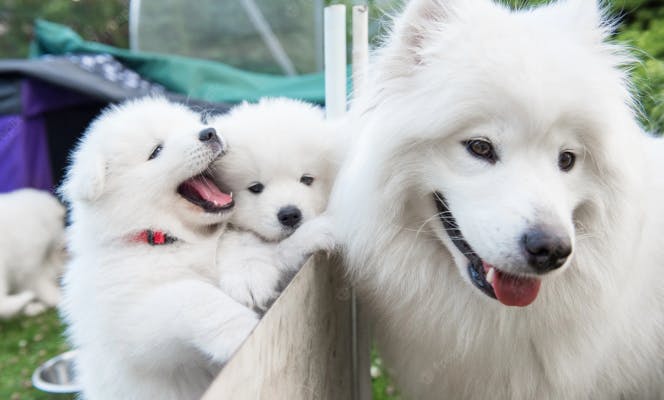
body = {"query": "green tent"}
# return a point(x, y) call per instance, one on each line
point(195, 78)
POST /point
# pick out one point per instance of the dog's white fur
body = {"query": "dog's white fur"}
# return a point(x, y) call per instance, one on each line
point(32, 251)
point(149, 321)
point(274, 142)
point(535, 82)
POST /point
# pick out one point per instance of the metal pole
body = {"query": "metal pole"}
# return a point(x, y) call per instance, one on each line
point(271, 41)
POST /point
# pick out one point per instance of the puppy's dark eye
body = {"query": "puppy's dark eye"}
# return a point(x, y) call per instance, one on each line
point(155, 152)
point(481, 148)
point(307, 179)
point(256, 187)
point(566, 161)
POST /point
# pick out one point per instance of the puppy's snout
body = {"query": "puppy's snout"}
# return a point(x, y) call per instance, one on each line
point(208, 135)
point(289, 216)
point(546, 248)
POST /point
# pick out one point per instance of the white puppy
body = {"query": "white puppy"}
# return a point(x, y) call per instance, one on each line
point(502, 210)
point(31, 251)
point(279, 166)
point(140, 294)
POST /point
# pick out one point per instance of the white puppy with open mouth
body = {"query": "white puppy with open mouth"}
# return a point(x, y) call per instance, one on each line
point(140, 296)
point(280, 167)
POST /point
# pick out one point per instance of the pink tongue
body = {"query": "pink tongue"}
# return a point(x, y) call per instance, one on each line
point(209, 191)
point(514, 290)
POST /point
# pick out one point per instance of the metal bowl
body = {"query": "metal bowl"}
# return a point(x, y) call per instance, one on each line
point(57, 375)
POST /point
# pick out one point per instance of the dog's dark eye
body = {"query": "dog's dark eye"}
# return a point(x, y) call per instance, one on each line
point(566, 161)
point(155, 152)
point(307, 179)
point(256, 187)
point(481, 148)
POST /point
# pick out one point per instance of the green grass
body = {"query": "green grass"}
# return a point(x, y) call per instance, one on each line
point(383, 388)
point(25, 343)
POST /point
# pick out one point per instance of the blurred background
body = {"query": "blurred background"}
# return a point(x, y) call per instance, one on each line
point(221, 30)
point(276, 37)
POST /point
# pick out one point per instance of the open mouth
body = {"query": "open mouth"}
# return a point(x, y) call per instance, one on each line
point(509, 289)
point(202, 191)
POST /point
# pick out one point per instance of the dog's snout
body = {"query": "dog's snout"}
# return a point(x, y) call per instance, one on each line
point(546, 249)
point(208, 135)
point(289, 216)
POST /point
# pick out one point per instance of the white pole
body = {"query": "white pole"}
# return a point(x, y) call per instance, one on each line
point(361, 330)
point(335, 60)
point(360, 47)
point(134, 23)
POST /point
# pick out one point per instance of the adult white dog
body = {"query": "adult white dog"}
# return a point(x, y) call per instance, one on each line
point(141, 298)
point(32, 251)
point(500, 164)
point(280, 166)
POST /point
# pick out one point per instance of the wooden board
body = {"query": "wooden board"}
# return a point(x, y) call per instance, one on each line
point(302, 349)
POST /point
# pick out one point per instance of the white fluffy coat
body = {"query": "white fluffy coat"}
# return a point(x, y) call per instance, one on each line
point(535, 82)
point(274, 142)
point(149, 322)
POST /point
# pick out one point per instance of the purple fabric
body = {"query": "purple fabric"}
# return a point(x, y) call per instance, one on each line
point(24, 158)
point(39, 97)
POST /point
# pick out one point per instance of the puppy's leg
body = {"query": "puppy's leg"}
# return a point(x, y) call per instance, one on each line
point(11, 305)
point(314, 235)
point(191, 313)
point(46, 290)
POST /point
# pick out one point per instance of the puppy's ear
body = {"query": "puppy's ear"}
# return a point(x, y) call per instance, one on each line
point(86, 175)
point(588, 18)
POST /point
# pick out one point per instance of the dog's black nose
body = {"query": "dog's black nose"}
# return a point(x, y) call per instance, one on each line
point(546, 248)
point(289, 216)
point(208, 135)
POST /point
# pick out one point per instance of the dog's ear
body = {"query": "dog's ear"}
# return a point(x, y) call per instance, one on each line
point(420, 21)
point(411, 29)
point(86, 175)
point(587, 17)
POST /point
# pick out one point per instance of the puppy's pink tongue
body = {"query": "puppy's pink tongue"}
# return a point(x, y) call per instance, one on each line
point(208, 191)
point(513, 290)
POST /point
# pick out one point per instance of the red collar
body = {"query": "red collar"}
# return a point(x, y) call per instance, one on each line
point(153, 238)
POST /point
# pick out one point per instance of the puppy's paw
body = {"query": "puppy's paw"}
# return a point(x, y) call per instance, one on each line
point(319, 234)
point(256, 294)
point(234, 334)
point(34, 308)
point(264, 293)
point(236, 286)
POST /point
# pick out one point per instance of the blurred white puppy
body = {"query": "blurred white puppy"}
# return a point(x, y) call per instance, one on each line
point(31, 251)
point(280, 167)
point(140, 295)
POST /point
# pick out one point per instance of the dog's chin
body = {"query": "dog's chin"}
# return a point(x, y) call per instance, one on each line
point(508, 288)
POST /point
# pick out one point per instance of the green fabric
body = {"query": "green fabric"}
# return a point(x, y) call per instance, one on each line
point(199, 79)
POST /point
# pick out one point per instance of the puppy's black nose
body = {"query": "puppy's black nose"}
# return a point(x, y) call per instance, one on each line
point(208, 135)
point(289, 216)
point(546, 248)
